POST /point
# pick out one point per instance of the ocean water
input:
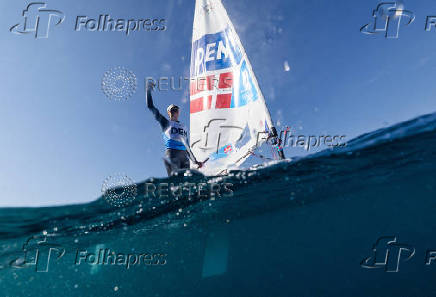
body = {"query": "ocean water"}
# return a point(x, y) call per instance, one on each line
point(353, 221)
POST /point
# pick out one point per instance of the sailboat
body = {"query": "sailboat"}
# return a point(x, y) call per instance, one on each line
point(229, 118)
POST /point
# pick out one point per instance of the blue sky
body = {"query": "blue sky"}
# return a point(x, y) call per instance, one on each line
point(61, 137)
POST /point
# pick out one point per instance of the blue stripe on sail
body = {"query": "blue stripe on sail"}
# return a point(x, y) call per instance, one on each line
point(214, 52)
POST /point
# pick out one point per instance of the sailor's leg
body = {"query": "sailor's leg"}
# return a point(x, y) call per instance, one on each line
point(175, 160)
point(184, 160)
point(168, 167)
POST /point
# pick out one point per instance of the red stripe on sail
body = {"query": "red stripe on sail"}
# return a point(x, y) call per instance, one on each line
point(196, 105)
point(226, 80)
point(201, 84)
point(223, 100)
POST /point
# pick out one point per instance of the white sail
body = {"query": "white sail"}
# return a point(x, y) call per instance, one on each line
point(228, 114)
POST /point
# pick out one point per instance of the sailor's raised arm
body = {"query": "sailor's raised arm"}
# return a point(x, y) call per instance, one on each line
point(157, 115)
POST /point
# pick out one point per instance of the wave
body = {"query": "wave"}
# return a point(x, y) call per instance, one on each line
point(374, 156)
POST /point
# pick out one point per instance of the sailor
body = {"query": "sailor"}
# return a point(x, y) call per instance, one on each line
point(178, 152)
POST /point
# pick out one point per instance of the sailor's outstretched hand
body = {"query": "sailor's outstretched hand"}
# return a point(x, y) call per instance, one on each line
point(201, 164)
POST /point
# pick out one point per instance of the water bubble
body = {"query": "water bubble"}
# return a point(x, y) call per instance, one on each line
point(286, 66)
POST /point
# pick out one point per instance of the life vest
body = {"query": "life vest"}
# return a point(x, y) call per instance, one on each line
point(175, 136)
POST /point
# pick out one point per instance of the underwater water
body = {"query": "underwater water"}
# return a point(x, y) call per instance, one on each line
point(310, 227)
